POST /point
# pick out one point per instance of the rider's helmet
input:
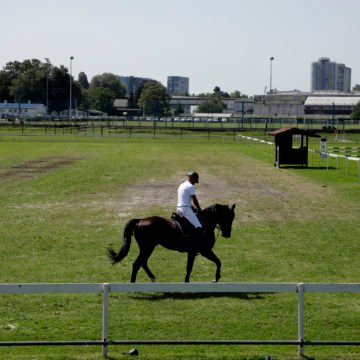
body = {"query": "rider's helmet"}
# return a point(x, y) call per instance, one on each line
point(194, 175)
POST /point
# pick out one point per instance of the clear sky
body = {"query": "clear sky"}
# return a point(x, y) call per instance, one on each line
point(226, 43)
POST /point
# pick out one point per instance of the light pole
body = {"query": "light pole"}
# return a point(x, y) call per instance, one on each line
point(270, 102)
point(271, 60)
point(47, 85)
point(70, 105)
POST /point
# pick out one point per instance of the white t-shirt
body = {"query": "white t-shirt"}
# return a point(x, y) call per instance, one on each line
point(185, 191)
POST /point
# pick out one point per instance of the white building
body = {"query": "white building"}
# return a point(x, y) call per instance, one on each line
point(21, 110)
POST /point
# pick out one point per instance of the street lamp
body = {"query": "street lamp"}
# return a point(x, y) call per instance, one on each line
point(270, 103)
point(271, 60)
point(47, 85)
point(70, 105)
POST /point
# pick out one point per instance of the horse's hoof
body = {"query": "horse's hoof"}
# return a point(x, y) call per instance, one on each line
point(153, 280)
point(215, 281)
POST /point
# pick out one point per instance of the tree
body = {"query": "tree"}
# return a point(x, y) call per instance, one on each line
point(238, 94)
point(235, 94)
point(5, 83)
point(214, 103)
point(154, 99)
point(356, 88)
point(218, 92)
point(109, 81)
point(102, 99)
point(355, 115)
point(59, 82)
point(27, 80)
point(37, 81)
point(83, 80)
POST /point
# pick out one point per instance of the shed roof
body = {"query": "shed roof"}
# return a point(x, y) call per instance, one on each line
point(292, 131)
point(332, 100)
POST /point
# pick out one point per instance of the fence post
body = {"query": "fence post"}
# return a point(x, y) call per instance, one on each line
point(106, 288)
point(301, 319)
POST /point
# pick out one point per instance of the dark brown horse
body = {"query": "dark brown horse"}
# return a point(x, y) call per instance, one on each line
point(152, 231)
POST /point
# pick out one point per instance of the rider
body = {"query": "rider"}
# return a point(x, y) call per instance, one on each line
point(186, 196)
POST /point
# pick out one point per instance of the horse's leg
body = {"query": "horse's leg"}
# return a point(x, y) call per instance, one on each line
point(135, 268)
point(190, 262)
point(141, 261)
point(209, 254)
point(148, 271)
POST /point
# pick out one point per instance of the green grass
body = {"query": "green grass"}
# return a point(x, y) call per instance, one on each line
point(292, 225)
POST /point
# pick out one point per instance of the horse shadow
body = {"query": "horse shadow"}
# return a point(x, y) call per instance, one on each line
point(194, 296)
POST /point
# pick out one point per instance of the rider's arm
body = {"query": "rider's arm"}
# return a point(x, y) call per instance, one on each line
point(196, 202)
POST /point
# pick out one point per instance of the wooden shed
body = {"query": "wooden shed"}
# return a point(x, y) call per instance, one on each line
point(291, 146)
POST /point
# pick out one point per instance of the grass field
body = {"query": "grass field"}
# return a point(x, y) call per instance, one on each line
point(64, 200)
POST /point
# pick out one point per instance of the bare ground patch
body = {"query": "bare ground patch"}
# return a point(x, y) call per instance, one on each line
point(272, 195)
point(32, 168)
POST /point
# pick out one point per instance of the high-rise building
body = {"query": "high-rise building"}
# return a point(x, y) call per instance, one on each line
point(177, 85)
point(328, 75)
point(133, 84)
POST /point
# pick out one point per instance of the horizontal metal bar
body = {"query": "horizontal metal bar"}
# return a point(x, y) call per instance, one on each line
point(180, 342)
point(203, 342)
point(329, 288)
point(176, 288)
point(330, 342)
point(51, 343)
point(49, 288)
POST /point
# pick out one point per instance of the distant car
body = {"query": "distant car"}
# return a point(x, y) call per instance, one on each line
point(329, 128)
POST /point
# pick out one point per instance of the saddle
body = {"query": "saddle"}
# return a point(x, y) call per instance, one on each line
point(184, 225)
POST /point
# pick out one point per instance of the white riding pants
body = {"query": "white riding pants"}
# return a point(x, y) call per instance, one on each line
point(187, 212)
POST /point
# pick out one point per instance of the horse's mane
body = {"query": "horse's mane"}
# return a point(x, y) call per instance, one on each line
point(213, 208)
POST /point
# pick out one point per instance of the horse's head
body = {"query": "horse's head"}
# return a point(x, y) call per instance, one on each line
point(224, 217)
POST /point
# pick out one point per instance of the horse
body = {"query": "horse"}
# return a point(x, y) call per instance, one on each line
point(155, 230)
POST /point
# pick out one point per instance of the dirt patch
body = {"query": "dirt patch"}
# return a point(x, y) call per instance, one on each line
point(267, 197)
point(32, 168)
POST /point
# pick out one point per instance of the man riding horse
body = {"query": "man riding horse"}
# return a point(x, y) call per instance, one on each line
point(187, 197)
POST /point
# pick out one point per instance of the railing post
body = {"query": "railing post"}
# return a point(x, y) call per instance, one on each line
point(106, 288)
point(301, 319)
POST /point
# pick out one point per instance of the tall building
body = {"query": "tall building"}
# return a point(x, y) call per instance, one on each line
point(328, 75)
point(133, 84)
point(177, 85)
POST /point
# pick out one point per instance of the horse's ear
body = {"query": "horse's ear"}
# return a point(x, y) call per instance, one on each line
point(233, 207)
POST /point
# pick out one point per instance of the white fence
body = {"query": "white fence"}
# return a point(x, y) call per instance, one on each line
point(106, 289)
point(322, 155)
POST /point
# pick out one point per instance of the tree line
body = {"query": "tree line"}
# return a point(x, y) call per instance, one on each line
point(39, 82)
point(42, 82)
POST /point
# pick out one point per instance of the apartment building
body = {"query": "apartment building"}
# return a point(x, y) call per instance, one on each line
point(328, 75)
point(177, 85)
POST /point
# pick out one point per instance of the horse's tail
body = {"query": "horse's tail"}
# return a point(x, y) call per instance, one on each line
point(124, 250)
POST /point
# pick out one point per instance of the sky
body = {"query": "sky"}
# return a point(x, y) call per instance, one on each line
point(225, 43)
